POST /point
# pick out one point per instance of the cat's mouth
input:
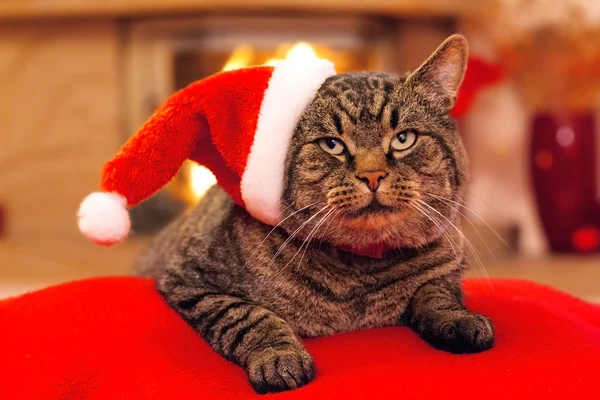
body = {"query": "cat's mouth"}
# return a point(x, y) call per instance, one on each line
point(373, 217)
point(373, 208)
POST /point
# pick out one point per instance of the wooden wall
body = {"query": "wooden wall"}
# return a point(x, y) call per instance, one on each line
point(59, 118)
point(118, 8)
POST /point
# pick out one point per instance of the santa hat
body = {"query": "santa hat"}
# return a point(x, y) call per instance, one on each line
point(237, 123)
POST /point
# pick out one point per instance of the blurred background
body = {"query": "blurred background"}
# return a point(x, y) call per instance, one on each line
point(78, 78)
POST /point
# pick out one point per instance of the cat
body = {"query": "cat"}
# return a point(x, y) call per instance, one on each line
point(375, 161)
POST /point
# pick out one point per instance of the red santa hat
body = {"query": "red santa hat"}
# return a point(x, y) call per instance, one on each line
point(237, 123)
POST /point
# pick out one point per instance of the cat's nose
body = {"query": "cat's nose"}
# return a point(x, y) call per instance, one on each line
point(372, 178)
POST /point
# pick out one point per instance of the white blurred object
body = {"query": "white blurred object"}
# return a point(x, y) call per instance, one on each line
point(498, 144)
point(497, 139)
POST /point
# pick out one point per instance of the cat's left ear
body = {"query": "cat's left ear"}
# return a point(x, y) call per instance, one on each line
point(441, 75)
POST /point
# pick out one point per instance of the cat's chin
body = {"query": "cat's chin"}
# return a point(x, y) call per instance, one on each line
point(375, 217)
point(383, 228)
point(368, 222)
point(376, 227)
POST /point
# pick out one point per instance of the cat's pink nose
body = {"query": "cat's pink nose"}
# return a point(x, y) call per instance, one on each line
point(372, 178)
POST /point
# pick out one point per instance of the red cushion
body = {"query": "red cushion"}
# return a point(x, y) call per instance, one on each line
point(115, 338)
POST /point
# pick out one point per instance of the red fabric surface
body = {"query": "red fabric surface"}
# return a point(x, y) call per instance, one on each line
point(115, 338)
point(212, 122)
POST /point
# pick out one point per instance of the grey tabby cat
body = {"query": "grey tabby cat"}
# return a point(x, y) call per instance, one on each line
point(375, 159)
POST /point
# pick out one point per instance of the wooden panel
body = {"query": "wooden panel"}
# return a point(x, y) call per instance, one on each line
point(57, 8)
point(59, 122)
point(56, 261)
point(417, 39)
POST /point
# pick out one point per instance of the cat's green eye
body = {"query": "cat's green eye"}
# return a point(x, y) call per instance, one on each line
point(404, 140)
point(332, 146)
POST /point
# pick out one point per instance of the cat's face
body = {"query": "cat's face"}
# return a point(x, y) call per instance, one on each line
point(377, 158)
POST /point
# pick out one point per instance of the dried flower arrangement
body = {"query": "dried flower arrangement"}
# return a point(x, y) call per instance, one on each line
point(551, 48)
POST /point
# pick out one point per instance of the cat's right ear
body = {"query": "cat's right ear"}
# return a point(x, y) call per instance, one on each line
point(443, 72)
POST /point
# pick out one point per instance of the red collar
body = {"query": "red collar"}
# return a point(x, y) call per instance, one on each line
point(372, 251)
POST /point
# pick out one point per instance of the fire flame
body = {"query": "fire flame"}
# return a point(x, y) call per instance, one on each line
point(240, 58)
point(300, 50)
point(201, 179)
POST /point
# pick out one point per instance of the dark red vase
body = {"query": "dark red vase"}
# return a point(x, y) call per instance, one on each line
point(564, 169)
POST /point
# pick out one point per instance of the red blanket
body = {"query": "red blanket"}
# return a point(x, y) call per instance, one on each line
point(115, 338)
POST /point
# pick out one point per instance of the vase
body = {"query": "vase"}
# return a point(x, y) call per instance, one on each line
point(564, 171)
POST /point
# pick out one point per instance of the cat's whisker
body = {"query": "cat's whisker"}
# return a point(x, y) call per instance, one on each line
point(277, 226)
point(467, 241)
point(482, 200)
point(328, 224)
point(445, 201)
point(291, 237)
point(447, 220)
point(475, 214)
point(338, 227)
point(340, 223)
point(427, 215)
point(306, 241)
point(289, 216)
point(451, 242)
point(478, 260)
point(434, 220)
point(311, 235)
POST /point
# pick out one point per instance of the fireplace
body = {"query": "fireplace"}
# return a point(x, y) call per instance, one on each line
point(163, 56)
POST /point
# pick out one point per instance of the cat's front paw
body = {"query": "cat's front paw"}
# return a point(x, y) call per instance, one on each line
point(275, 370)
point(462, 333)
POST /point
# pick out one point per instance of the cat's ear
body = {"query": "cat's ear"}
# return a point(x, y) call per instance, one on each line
point(443, 72)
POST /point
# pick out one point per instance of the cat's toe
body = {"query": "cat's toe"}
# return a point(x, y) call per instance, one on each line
point(468, 333)
point(477, 333)
point(273, 370)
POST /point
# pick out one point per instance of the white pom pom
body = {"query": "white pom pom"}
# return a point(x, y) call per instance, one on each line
point(103, 218)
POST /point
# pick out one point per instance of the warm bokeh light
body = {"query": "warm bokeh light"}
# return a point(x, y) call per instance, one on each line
point(301, 50)
point(201, 179)
point(240, 57)
point(272, 62)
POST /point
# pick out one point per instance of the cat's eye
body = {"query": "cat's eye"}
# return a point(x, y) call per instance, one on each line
point(404, 140)
point(332, 146)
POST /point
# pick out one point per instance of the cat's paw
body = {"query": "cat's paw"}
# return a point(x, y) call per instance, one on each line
point(466, 332)
point(276, 370)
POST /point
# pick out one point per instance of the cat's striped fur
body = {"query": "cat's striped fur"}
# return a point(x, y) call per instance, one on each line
point(251, 291)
